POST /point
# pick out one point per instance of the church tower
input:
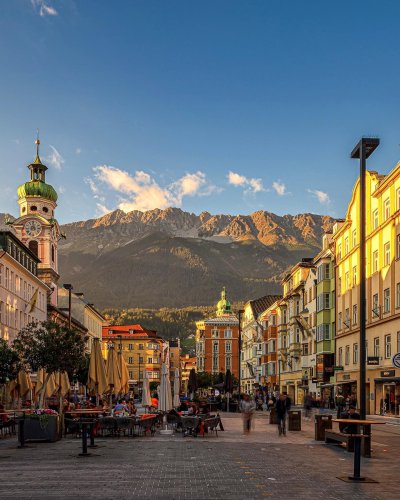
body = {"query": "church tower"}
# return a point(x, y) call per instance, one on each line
point(36, 226)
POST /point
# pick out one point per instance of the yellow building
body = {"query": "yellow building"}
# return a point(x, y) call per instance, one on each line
point(382, 290)
point(290, 331)
point(143, 351)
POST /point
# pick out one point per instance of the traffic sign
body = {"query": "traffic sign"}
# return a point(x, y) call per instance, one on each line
point(396, 360)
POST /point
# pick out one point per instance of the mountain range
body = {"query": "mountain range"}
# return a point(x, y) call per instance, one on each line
point(172, 258)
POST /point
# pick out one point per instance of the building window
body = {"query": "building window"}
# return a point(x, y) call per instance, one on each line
point(131, 375)
point(339, 291)
point(376, 347)
point(228, 362)
point(375, 261)
point(323, 301)
point(347, 355)
point(375, 219)
point(339, 252)
point(388, 346)
point(347, 280)
point(323, 332)
point(346, 245)
point(347, 318)
point(340, 356)
point(228, 333)
point(340, 321)
point(386, 300)
point(215, 363)
point(215, 346)
point(375, 305)
point(398, 246)
point(130, 347)
point(214, 333)
point(354, 238)
point(323, 274)
point(386, 252)
point(355, 354)
point(398, 295)
point(354, 314)
point(228, 346)
point(130, 360)
point(398, 199)
point(141, 346)
point(354, 275)
point(386, 209)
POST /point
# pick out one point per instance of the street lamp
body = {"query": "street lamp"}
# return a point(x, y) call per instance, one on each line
point(362, 151)
point(140, 358)
point(240, 313)
point(69, 287)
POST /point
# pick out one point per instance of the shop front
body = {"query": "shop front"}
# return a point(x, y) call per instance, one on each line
point(387, 393)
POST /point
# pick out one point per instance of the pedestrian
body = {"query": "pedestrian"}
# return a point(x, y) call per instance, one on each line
point(307, 406)
point(247, 407)
point(282, 407)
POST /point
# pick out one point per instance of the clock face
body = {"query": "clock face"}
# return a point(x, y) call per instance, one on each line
point(33, 228)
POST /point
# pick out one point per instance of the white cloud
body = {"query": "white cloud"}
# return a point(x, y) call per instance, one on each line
point(61, 189)
point(102, 209)
point(322, 197)
point(280, 188)
point(251, 185)
point(140, 191)
point(43, 8)
point(78, 151)
point(55, 159)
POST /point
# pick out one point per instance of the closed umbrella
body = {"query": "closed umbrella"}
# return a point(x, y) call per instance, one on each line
point(177, 401)
point(146, 396)
point(46, 390)
point(97, 377)
point(62, 381)
point(113, 374)
point(165, 398)
point(124, 373)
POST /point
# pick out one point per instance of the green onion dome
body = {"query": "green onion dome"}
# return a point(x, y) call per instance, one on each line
point(37, 188)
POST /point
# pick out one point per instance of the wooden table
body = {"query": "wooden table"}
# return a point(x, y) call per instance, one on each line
point(82, 412)
point(357, 445)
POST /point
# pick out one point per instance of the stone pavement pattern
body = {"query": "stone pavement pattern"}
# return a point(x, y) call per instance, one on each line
point(231, 466)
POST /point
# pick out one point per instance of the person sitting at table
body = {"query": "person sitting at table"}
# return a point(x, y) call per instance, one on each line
point(120, 408)
point(3, 417)
point(131, 407)
point(352, 415)
point(154, 402)
point(183, 406)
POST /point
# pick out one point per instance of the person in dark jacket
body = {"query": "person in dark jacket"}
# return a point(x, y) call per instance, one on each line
point(282, 407)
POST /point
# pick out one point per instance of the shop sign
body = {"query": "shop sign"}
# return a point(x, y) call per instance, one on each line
point(388, 373)
point(346, 376)
point(314, 380)
point(373, 360)
point(338, 368)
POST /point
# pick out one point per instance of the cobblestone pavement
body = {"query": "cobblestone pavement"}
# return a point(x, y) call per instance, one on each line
point(230, 466)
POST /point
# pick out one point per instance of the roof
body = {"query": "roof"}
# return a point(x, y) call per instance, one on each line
point(260, 305)
point(138, 332)
point(56, 310)
point(226, 319)
point(18, 242)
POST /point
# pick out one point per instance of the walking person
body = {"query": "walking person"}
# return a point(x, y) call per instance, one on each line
point(247, 407)
point(307, 406)
point(282, 407)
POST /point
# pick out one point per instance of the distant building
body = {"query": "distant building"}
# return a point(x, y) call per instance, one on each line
point(269, 318)
point(23, 296)
point(84, 312)
point(142, 349)
point(174, 357)
point(217, 340)
point(187, 363)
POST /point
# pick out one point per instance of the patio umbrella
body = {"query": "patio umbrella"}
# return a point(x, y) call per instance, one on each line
point(165, 401)
point(62, 381)
point(19, 387)
point(97, 377)
point(192, 382)
point(177, 401)
point(124, 373)
point(113, 374)
point(146, 396)
point(40, 389)
point(228, 386)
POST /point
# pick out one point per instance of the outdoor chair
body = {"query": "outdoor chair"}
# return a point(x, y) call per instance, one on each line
point(174, 421)
point(108, 425)
point(210, 425)
point(71, 426)
point(190, 426)
point(123, 424)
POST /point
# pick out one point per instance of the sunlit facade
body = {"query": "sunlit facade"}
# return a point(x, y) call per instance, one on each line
point(382, 293)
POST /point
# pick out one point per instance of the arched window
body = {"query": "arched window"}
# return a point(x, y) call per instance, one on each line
point(33, 208)
point(45, 210)
point(53, 253)
point(33, 247)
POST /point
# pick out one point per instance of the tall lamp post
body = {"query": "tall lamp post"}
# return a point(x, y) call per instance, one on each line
point(363, 150)
point(69, 287)
point(140, 357)
point(240, 314)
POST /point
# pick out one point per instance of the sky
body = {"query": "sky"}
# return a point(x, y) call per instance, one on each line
point(226, 106)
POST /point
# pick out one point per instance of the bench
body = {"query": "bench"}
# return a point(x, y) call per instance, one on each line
point(340, 437)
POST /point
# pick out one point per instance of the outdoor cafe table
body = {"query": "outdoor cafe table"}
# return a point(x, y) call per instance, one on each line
point(21, 424)
point(357, 445)
point(82, 413)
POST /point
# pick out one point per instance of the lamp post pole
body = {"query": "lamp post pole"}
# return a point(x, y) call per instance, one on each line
point(69, 287)
point(139, 375)
point(240, 313)
point(362, 151)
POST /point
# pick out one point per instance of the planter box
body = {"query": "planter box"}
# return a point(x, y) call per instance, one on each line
point(33, 430)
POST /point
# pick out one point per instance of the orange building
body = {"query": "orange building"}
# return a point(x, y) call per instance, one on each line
point(217, 340)
point(187, 364)
point(269, 359)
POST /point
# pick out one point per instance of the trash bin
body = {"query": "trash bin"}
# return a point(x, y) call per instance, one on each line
point(322, 422)
point(294, 420)
point(272, 416)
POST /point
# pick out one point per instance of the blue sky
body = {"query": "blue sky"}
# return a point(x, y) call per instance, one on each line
point(226, 106)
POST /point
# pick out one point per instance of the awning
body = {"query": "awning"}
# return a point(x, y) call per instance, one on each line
point(327, 385)
point(342, 382)
point(382, 380)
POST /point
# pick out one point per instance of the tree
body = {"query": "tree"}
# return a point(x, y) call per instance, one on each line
point(10, 363)
point(52, 347)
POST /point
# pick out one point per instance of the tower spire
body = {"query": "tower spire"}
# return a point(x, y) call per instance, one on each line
point(37, 142)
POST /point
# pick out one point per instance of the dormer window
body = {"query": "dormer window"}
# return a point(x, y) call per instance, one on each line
point(33, 208)
point(45, 210)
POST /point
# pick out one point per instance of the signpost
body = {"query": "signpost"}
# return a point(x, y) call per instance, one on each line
point(396, 360)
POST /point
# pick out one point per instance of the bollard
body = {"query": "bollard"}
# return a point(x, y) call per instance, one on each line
point(84, 441)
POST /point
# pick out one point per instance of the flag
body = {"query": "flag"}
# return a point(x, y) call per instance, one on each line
point(32, 303)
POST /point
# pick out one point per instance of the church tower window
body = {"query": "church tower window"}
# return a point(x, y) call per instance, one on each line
point(34, 247)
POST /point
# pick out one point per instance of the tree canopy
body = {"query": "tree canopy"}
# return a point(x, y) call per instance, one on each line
point(9, 362)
